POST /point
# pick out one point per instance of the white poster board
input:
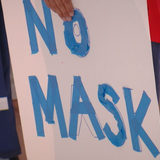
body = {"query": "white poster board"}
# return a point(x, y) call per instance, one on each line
point(65, 100)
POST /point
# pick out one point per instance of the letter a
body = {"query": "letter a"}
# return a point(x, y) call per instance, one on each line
point(84, 107)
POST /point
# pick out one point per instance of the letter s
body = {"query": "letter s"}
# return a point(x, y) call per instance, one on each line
point(119, 139)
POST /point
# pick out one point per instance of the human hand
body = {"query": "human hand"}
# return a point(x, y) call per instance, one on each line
point(64, 8)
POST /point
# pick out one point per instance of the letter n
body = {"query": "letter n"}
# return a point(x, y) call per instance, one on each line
point(33, 20)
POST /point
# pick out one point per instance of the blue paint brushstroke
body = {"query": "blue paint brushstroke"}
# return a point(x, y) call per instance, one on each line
point(119, 139)
point(79, 49)
point(84, 107)
point(135, 122)
point(33, 20)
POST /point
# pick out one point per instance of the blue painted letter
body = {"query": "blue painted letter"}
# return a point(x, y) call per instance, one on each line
point(119, 139)
point(53, 99)
point(47, 34)
point(135, 122)
point(84, 107)
point(78, 47)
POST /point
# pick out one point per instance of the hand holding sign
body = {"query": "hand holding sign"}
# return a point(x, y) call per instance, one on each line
point(63, 8)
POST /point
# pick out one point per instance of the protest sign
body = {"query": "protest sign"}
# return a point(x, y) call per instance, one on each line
point(85, 88)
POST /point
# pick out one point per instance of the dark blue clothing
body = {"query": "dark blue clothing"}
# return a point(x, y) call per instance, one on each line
point(156, 63)
point(9, 144)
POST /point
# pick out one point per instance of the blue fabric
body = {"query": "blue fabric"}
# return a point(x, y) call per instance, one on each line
point(9, 144)
point(156, 64)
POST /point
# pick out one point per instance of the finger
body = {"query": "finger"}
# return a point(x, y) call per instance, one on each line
point(69, 7)
point(63, 10)
point(47, 3)
point(53, 5)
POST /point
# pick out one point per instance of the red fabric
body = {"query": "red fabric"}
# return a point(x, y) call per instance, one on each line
point(154, 19)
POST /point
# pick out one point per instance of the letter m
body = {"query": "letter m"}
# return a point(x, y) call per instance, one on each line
point(33, 20)
point(40, 103)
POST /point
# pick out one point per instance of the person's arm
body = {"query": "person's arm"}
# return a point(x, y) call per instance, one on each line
point(64, 8)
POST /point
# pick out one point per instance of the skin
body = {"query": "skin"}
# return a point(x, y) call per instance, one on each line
point(64, 8)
